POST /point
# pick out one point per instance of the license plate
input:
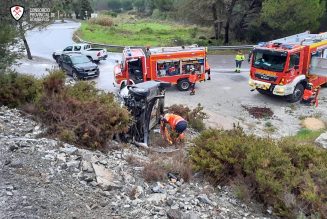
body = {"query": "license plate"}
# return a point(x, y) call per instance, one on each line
point(90, 73)
point(262, 86)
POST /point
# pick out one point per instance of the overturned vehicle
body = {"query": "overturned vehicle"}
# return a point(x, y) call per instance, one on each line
point(146, 102)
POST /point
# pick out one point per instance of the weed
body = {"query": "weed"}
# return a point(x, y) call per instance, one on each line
point(160, 165)
point(268, 124)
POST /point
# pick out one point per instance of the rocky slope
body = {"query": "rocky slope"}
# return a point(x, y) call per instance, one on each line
point(45, 178)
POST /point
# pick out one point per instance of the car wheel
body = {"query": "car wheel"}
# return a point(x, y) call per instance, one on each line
point(74, 74)
point(90, 58)
point(183, 85)
point(57, 58)
point(297, 94)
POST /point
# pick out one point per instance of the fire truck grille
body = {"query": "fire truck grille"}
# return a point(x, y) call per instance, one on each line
point(265, 77)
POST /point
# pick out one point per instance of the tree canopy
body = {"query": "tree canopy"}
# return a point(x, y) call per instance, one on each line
point(293, 16)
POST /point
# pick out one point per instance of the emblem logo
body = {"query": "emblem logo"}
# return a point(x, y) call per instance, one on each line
point(17, 12)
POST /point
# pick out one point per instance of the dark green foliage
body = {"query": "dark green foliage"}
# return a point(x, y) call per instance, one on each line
point(18, 89)
point(139, 5)
point(194, 117)
point(85, 9)
point(127, 4)
point(290, 177)
point(114, 5)
point(292, 16)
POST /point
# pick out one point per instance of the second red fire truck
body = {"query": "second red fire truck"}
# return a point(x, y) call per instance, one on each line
point(288, 66)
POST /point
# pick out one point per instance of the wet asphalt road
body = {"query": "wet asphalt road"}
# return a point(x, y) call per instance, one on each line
point(222, 97)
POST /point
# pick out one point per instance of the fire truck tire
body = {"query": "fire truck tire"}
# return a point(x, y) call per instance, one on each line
point(183, 85)
point(297, 94)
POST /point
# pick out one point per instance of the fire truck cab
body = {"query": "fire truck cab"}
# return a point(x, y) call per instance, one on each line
point(167, 64)
point(285, 67)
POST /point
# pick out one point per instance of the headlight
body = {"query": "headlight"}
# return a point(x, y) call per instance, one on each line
point(281, 90)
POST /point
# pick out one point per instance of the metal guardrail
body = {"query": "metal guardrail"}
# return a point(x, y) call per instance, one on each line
point(230, 47)
point(211, 48)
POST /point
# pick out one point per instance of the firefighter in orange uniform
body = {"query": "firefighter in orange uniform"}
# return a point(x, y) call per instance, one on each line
point(192, 79)
point(310, 95)
point(177, 126)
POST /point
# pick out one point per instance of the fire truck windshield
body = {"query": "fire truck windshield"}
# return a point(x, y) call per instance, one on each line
point(269, 60)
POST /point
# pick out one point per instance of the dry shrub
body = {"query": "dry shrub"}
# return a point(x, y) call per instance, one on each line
point(290, 177)
point(92, 117)
point(54, 82)
point(153, 172)
point(134, 161)
point(18, 89)
point(78, 114)
point(102, 20)
point(160, 165)
point(194, 117)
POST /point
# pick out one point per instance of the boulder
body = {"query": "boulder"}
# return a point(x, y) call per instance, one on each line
point(157, 198)
point(105, 178)
point(322, 140)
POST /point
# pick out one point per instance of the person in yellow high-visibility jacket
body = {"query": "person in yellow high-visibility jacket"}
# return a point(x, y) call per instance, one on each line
point(239, 58)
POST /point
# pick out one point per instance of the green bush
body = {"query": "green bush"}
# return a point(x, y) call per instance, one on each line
point(290, 177)
point(18, 89)
point(194, 117)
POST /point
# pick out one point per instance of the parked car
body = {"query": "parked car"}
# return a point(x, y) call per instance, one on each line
point(78, 66)
point(94, 54)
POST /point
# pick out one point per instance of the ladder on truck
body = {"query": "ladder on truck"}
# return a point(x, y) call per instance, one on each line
point(305, 38)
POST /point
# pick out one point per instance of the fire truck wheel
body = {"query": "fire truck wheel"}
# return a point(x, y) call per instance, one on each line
point(297, 94)
point(183, 85)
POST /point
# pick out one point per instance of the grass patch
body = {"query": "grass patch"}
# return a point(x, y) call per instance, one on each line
point(290, 177)
point(135, 32)
point(305, 136)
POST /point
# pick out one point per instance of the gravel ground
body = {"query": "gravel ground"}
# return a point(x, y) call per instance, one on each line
point(45, 178)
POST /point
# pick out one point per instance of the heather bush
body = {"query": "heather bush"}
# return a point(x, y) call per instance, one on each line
point(290, 177)
point(18, 89)
point(79, 114)
point(91, 116)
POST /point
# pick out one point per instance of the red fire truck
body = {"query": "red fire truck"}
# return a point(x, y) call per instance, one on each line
point(288, 66)
point(168, 64)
